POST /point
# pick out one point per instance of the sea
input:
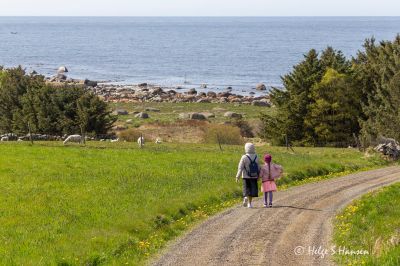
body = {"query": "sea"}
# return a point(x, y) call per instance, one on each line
point(237, 52)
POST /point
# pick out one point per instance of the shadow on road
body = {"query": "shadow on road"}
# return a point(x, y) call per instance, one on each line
point(295, 207)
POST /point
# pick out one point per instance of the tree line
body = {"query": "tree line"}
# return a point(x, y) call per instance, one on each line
point(28, 103)
point(328, 99)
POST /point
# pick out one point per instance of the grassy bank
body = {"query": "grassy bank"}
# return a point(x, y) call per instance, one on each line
point(372, 224)
point(169, 112)
point(113, 203)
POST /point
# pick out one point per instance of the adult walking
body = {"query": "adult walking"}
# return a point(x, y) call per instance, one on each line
point(249, 170)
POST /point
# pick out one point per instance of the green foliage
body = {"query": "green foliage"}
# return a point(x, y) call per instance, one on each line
point(13, 85)
point(378, 69)
point(301, 93)
point(333, 115)
point(48, 110)
point(327, 99)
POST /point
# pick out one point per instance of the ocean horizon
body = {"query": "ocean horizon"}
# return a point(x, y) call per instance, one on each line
point(172, 51)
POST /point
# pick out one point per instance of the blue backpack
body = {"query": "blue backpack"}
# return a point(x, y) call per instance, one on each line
point(253, 168)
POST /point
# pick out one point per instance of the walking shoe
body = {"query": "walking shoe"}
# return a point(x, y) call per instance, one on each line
point(249, 205)
point(245, 202)
point(270, 204)
point(265, 205)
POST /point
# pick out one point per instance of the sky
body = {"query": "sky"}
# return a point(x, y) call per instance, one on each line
point(200, 8)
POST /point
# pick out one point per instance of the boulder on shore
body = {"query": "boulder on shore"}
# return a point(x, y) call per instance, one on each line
point(232, 115)
point(197, 116)
point(90, 83)
point(62, 70)
point(142, 115)
point(261, 87)
point(193, 116)
point(203, 101)
point(211, 94)
point(192, 92)
point(208, 115)
point(184, 116)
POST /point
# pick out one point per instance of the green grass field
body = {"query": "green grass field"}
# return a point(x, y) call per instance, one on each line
point(372, 224)
point(112, 203)
point(169, 112)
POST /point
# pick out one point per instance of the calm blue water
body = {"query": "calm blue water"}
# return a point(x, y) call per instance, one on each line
point(216, 51)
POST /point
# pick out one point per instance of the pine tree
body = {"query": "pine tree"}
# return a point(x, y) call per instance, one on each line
point(294, 101)
point(378, 69)
point(335, 111)
point(48, 110)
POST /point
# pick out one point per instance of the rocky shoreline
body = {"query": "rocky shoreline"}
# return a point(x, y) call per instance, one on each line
point(151, 93)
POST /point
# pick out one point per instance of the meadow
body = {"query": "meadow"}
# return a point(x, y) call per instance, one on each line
point(169, 112)
point(372, 224)
point(114, 204)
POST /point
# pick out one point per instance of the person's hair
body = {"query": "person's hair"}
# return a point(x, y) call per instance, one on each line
point(267, 160)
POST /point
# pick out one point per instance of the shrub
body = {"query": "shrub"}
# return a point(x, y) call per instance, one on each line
point(224, 134)
point(131, 134)
point(245, 129)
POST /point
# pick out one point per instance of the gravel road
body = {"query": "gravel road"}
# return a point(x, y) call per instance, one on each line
point(300, 220)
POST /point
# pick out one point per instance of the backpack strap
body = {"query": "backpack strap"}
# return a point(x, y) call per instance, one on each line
point(248, 157)
point(251, 161)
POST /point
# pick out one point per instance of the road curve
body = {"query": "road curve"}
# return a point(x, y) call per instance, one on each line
point(300, 220)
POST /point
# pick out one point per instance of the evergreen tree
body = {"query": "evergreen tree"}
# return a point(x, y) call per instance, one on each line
point(293, 102)
point(13, 84)
point(378, 69)
point(335, 110)
point(93, 114)
point(27, 100)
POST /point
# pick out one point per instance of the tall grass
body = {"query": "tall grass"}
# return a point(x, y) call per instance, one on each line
point(371, 224)
point(224, 134)
point(114, 203)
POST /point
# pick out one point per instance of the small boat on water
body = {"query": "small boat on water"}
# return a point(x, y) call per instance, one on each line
point(14, 32)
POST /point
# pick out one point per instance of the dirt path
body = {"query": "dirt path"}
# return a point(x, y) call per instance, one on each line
point(301, 216)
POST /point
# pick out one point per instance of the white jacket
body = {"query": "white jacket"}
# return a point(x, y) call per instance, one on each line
point(244, 163)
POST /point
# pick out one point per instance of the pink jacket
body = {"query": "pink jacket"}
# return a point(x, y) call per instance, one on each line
point(276, 172)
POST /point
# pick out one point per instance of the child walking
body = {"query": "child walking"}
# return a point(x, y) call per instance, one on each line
point(268, 174)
